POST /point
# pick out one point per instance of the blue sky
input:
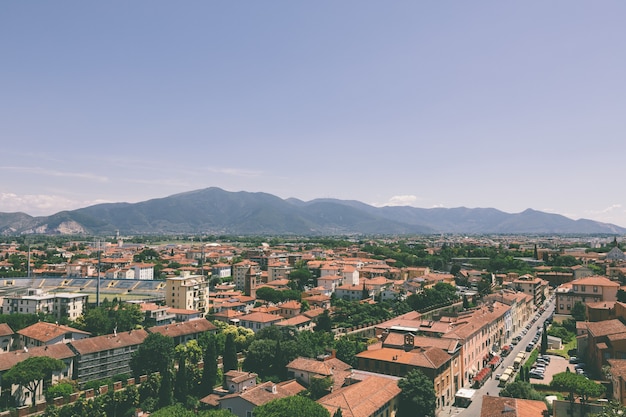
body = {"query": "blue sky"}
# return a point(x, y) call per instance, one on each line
point(510, 105)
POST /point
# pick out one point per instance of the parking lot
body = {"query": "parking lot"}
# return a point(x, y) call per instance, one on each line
point(557, 365)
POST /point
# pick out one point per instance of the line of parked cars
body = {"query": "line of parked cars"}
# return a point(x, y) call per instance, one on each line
point(579, 366)
point(538, 369)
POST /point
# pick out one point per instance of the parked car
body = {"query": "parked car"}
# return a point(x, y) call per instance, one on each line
point(530, 347)
point(536, 375)
point(580, 365)
point(545, 358)
point(574, 359)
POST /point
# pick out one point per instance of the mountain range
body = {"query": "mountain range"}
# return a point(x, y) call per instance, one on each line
point(216, 211)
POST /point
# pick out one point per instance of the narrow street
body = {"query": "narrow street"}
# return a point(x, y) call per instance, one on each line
point(491, 386)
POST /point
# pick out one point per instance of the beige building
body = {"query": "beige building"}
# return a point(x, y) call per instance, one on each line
point(535, 287)
point(189, 292)
point(242, 273)
point(585, 290)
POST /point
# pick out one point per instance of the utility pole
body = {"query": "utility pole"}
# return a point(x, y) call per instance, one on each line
point(98, 278)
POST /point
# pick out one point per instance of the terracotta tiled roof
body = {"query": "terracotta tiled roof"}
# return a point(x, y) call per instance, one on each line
point(324, 368)
point(43, 331)
point(595, 280)
point(109, 341)
point(511, 407)
point(606, 327)
point(5, 330)
point(362, 399)
point(185, 328)
point(294, 321)
point(59, 351)
point(263, 393)
point(261, 317)
point(430, 358)
point(292, 304)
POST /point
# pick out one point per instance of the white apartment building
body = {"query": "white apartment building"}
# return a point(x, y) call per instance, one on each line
point(143, 271)
point(36, 301)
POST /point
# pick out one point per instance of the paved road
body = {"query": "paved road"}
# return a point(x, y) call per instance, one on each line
point(491, 386)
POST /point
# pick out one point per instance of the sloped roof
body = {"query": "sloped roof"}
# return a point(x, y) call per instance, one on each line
point(511, 407)
point(319, 367)
point(361, 399)
point(263, 393)
point(184, 328)
point(5, 330)
point(44, 332)
point(109, 341)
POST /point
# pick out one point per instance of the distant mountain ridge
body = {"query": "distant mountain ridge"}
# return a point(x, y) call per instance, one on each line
point(216, 211)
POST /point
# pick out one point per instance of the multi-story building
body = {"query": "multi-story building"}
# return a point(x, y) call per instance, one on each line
point(185, 331)
point(46, 334)
point(60, 351)
point(278, 270)
point(401, 351)
point(61, 305)
point(105, 356)
point(536, 287)
point(243, 271)
point(372, 396)
point(587, 289)
point(600, 341)
point(258, 320)
point(188, 292)
point(70, 305)
point(143, 271)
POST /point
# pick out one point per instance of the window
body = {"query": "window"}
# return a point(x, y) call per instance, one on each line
point(561, 306)
point(575, 287)
point(569, 307)
point(582, 288)
point(595, 288)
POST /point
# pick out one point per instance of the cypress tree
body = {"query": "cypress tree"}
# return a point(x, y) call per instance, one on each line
point(229, 360)
point(209, 372)
point(165, 391)
point(180, 389)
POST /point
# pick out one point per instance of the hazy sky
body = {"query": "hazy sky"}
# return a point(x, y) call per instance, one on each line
point(510, 105)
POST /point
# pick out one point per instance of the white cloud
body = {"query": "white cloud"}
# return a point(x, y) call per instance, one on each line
point(398, 200)
point(54, 173)
point(40, 204)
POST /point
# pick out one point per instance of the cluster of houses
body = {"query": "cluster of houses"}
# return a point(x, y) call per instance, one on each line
point(86, 358)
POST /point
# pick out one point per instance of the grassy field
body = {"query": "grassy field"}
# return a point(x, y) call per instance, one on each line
point(565, 351)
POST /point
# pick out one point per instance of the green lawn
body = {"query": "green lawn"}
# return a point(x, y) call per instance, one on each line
point(564, 352)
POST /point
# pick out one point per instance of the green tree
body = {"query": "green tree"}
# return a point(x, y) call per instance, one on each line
point(319, 387)
point(291, 406)
point(338, 413)
point(31, 372)
point(229, 358)
point(417, 393)
point(324, 322)
point(166, 389)
point(576, 384)
point(155, 354)
point(613, 409)
point(579, 311)
point(465, 302)
point(181, 388)
point(62, 389)
point(209, 372)
point(544, 339)
point(520, 389)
